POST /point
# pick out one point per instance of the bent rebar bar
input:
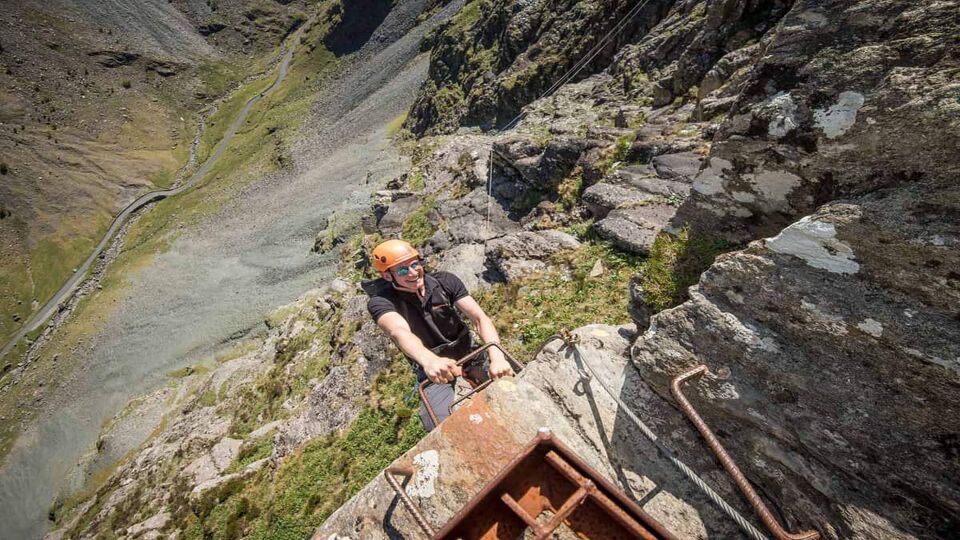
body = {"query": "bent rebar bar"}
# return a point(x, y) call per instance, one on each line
point(728, 464)
point(407, 501)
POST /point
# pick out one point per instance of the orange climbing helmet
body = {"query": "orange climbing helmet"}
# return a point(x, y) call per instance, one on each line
point(392, 252)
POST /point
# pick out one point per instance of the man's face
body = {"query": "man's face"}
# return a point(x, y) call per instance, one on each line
point(406, 275)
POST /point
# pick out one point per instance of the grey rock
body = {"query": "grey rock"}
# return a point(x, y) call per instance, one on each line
point(391, 224)
point(634, 228)
point(467, 218)
point(601, 198)
point(224, 452)
point(466, 261)
point(520, 254)
point(834, 354)
point(683, 166)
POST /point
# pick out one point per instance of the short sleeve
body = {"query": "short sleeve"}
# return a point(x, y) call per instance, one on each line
point(378, 306)
point(452, 285)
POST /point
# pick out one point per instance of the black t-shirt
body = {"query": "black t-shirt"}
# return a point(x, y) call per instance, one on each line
point(434, 319)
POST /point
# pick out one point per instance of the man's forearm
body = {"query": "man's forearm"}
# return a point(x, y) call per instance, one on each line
point(411, 345)
point(488, 332)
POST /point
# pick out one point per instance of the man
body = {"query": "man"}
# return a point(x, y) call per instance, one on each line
point(419, 312)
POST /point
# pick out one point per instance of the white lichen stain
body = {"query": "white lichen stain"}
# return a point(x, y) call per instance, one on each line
point(727, 391)
point(746, 334)
point(784, 112)
point(814, 18)
point(774, 185)
point(953, 365)
point(832, 324)
point(816, 243)
point(872, 327)
point(423, 481)
point(476, 418)
point(839, 118)
point(710, 180)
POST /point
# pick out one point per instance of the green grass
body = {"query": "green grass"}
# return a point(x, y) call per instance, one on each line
point(570, 189)
point(219, 122)
point(53, 260)
point(416, 181)
point(252, 451)
point(528, 310)
point(675, 263)
point(417, 228)
point(394, 126)
point(219, 77)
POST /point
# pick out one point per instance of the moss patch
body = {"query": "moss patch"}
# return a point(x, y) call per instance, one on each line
point(417, 228)
point(675, 263)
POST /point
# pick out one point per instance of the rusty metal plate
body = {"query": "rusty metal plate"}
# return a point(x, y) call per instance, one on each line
point(547, 491)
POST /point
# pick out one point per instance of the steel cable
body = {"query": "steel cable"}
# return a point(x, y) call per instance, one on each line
point(715, 497)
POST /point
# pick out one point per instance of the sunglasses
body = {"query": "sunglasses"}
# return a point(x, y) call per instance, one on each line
point(404, 271)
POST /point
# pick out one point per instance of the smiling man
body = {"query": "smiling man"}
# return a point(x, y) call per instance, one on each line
point(421, 314)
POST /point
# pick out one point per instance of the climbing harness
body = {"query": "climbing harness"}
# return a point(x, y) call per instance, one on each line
point(728, 464)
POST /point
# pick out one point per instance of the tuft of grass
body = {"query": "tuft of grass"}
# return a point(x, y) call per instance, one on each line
point(570, 190)
point(675, 263)
point(416, 181)
point(417, 228)
point(4, 169)
point(528, 310)
point(394, 126)
point(252, 451)
point(618, 154)
point(126, 83)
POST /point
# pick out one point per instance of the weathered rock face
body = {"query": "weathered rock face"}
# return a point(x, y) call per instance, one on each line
point(835, 349)
point(848, 98)
point(495, 57)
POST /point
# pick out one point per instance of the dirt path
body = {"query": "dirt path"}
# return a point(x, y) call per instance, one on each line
point(219, 278)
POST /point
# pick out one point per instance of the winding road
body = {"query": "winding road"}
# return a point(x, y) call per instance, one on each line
point(79, 275)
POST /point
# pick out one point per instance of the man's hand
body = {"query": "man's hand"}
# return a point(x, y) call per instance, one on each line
point(499, 367)
point(441, 370)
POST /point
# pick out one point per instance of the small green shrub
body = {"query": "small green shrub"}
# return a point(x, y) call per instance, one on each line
point(675, 263)
point(126, 83)
point(416, 181)
point(417, 228)
point(4, 169)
